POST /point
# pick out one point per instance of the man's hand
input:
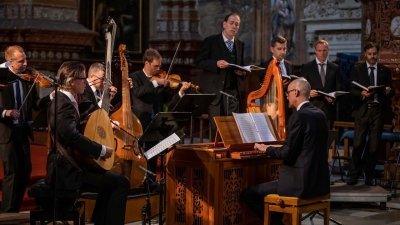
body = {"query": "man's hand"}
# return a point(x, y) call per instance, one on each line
point(222, 64)
point(185, 86)
point(113, 91)
point(161, 81)
point(108, 154)
point(313, 93)
point(130, 82)
point(115, 125)
point(260, 147)
point(367, 93)
point(12, 113)
point(329, 99)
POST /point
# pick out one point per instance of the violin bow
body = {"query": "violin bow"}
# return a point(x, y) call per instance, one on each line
point(173, 59)
point(27, 94)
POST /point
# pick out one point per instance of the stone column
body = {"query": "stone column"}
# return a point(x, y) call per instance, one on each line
point(177, 21)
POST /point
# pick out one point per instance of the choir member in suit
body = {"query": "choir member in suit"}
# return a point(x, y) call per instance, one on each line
point(15, 127)
point(278, 49)
point(63, 171)
point(322, 75)
point(217, 52)
point(305, 171)
point(369, 113)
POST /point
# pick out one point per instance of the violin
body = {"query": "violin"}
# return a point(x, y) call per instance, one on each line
point(174, 79)
point(32, 75)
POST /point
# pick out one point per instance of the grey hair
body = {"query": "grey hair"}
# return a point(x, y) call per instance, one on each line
point(303, 86)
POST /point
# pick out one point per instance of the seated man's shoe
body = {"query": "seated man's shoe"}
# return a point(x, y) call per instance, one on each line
point(352, 182)
point(370, 182)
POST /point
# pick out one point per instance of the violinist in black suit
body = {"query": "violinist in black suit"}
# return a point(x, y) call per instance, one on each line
point(369, 113)
point(216, 53)
point(150, 91)
point(322, 75)
point(305, 171)
point(63, 171)
point(15, 127)
point(91, 99)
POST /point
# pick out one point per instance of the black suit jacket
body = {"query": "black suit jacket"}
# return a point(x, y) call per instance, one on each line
point(87, 102)
point(305, 171)
point(147, 100)
point(213, 78)
point(359, 73)
point(68, 127)
point(7, 100)
point(311, 73)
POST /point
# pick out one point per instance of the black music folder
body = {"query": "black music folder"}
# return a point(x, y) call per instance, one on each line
point(163, 125)
point(195, 103)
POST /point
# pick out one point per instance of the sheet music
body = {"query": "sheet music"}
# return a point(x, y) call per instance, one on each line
point(253, 127)
point(161, 146)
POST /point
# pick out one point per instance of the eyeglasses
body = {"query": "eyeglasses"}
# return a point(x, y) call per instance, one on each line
point(288, 91)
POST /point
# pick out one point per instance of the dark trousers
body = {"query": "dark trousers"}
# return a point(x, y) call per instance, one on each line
point(17, 170)
point(224, 107)
point(367, 134)
point(112, 192)
point(254, 199)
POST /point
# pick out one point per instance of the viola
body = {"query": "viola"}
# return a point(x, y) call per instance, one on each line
point(35, 76)
point(174, 79)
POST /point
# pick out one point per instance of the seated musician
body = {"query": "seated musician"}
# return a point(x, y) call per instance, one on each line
point(63, 171)
point(305, 171)
point(90, 99)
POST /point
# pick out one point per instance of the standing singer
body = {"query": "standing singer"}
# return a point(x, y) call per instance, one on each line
point(216, 53)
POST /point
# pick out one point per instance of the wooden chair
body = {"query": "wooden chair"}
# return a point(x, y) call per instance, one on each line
point(295, 207)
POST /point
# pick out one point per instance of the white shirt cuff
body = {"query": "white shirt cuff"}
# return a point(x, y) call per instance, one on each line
point(155, 84)
point(103, 151)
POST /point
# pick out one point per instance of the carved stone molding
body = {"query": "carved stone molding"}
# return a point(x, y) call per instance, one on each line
point(48, 31)
point(331, 9)
point(344, 30)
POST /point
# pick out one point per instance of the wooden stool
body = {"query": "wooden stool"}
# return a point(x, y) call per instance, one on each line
point(295, 207)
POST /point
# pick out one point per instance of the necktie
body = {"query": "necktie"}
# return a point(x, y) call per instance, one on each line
point(322, 73)
point(76, 106)
point(372, 81)
point(18, 100)
point(282, 66)
point(229, 45)
point(97, 94)
point(371, 76)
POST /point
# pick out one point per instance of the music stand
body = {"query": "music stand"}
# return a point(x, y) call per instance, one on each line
point(195, 103)
point(163, 125)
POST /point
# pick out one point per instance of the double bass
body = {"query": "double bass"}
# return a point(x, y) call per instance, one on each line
point(130, 128)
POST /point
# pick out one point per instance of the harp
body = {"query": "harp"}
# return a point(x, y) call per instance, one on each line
point(270, 98)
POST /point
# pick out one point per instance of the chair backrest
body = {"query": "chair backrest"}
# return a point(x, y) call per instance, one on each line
point(332, 137)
